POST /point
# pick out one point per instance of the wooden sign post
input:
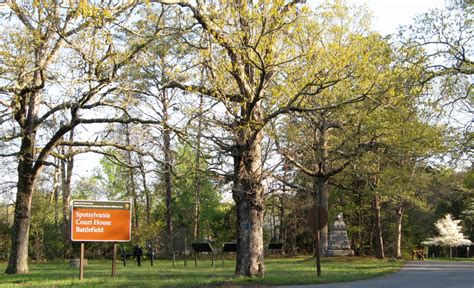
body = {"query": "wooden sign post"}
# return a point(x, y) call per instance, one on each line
point(81, 263)
point(114, 258)
point(317, 218)
point(100, 221)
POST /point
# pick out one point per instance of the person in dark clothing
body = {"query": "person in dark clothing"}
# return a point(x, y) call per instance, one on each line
point(137, 253)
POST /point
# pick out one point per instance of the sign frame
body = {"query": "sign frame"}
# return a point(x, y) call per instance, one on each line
point(103, 204)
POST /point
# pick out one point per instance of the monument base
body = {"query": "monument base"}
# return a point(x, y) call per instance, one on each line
point(75, 262)
point(347, 252)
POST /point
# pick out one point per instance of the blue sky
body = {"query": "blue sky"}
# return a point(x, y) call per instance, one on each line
point(389, 14)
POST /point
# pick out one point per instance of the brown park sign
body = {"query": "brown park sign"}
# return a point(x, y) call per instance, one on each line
point(323, 217)
point(101, 221)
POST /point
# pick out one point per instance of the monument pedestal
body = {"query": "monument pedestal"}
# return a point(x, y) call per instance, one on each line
point(339, 244)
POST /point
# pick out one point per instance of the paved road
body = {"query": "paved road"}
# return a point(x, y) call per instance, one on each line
point(419, 274)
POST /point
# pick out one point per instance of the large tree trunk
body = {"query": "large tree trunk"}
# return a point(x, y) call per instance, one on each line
point(167, 173)
point(18, 261)
point(379, 250)
point(248, 195)
point(323, 192)
point(397, 247)
point(321, 153)
point(250, 261)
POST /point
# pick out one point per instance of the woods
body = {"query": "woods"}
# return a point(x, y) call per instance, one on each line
point(228, 120)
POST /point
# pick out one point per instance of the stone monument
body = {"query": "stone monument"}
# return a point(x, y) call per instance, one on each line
point(339, 244)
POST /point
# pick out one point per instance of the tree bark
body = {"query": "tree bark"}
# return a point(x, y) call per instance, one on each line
point(56, 185)
point(132, 191)
point(397, 248)
point(323, 192)
point(167, 173)
point(282, 205)
point(282, 216)
point(248, 195)
point(322, 154)
point(379, 249)
point(132, 187)
point(197, 174)
point(67, 167)
point(18, 260)
point(146, 191)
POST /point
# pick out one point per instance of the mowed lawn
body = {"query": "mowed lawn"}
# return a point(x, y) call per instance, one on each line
point(285, 271)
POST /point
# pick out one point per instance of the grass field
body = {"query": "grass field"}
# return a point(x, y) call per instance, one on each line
point(293, 271)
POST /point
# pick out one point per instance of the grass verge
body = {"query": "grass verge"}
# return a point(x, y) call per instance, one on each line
point(286, 271)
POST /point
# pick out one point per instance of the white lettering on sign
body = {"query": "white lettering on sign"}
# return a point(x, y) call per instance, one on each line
point(83, 222)
point(93, 225)
point(102, 222)
point(92, 215)
point(90, 229)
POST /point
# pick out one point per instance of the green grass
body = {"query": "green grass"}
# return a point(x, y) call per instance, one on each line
point(292, 271)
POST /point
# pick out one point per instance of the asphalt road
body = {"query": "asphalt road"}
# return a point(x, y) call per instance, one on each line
point(416, 274)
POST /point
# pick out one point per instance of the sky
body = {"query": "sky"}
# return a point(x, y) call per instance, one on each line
point(389, 14)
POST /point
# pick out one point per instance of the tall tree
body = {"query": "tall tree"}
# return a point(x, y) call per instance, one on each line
point(67, 166)
point(262, 64)
point(446, 38)
point(44, 32)
point(333, 130)
point(145, 77)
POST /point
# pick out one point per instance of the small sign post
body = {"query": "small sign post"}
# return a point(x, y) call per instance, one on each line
point(317, 218)
point(81, 263)
point(114, 257)
point(100, 221)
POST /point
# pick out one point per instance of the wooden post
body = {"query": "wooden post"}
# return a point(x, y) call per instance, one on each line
point(114, 257)
point(317, 240)
point(81, 263)
point(318, 255)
